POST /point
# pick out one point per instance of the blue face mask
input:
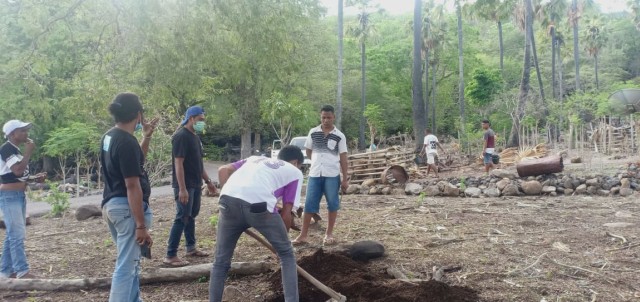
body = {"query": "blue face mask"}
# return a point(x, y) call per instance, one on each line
point(199, 126)
point(138, 126)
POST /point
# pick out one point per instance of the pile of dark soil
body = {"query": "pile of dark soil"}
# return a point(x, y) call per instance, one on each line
point(357, 283)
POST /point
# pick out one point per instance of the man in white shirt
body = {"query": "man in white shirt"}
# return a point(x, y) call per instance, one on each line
point(327, 148)
point(250, 190)
point(429, 147)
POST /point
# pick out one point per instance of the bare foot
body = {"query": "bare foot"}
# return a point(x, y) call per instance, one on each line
point(299, 241)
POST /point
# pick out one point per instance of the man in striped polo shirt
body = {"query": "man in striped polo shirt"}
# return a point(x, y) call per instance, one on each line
point(327, 148)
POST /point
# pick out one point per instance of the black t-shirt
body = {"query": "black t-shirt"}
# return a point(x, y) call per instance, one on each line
point(9, 156)
point(122, 157)
point(187, 145)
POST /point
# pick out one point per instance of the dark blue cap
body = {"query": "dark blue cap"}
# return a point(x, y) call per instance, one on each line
point(192, 111)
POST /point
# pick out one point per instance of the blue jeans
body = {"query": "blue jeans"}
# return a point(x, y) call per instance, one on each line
point(235, 217)
point(318, 186)
point(14, 209)
point(185, 221)
point(125, 285)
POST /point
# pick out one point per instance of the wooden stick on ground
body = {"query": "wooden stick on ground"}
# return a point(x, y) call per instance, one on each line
point(325, 289)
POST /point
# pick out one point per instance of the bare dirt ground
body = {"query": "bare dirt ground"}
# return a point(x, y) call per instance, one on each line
point(508, 249)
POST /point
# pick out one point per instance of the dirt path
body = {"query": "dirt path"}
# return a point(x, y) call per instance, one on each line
point(39, 208)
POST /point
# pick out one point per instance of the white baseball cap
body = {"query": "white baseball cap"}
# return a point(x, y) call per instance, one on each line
point(12, 125)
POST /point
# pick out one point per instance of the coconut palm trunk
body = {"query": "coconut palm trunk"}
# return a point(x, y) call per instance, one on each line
point(514, 137)
point(418, 105)
point(340, 68)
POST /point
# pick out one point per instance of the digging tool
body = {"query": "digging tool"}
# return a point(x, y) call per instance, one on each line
point(335, 296)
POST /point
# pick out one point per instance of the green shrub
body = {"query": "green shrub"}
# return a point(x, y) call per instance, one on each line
point(59, 200)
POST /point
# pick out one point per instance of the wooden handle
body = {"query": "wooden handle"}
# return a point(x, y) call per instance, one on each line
point(325, 289)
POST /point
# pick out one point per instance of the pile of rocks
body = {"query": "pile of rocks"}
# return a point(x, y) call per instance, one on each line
point(507, 183)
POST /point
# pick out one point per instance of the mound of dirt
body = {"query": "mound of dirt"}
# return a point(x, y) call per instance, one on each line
point(355, 282)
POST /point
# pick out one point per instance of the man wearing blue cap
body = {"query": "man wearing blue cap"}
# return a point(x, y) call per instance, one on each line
point(188, 174)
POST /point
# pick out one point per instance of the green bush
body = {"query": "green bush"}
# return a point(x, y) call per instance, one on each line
point(59, 200)
point(213, 152)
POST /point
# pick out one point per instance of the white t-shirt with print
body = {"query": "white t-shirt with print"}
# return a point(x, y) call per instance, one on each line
point(431, 143)
point(325, 151)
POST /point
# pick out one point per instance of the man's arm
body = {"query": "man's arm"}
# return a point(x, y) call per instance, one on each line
point(207, 180)
point(18, 168)
point(308, 151)
point(440, 146)
point(134, 195)
point(183, 194)
point(147, 132)
point(344, 167)
point(424, 149)
point(224, 173)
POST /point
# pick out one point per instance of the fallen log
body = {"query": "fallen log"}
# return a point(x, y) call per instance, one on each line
point(185, 273)
point(535, 167)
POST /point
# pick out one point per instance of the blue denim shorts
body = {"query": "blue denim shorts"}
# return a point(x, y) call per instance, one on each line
point(318, 186)
point(487, 158)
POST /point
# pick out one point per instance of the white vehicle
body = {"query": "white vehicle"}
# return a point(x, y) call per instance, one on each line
point(296, 141)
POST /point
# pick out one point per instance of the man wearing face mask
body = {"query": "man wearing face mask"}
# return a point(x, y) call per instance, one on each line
point(188, 174)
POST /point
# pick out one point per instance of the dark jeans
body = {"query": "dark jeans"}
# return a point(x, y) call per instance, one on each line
point(184, 222)
point(235, 217)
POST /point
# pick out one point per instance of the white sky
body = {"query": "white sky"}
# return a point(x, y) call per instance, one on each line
point(395, 7)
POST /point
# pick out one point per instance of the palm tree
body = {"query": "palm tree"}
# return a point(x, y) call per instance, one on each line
point(526, 76)
point(495, 10)
point(520, 17)
point(437, 33)
point(461, 70)
point(595, 38)
point(574, 16)
point(362, 33)
point(549, 14)
point(418, 103)
point(340, 71)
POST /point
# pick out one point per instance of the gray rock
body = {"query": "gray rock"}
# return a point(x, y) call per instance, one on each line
point(510, 190)
point(549, 189)
point(398, 191)
point(568, 184)
point(581, 189)
point(503, 183)
point(374, 191)
point(553, 194)
point(576, 183)
point(501, 173)
point(364, 190)
point(592, 190)
point(472, 192)
point(369, 182)
point(353, 189)
point(625, 183)
point(602, 192)
point(610, 183)
point(615, 190)
point(592, 182)
point(432, 191)
point(366, 250)
point(624, 192)
point(87, 211)
point(386, 190)
point(492, 192)
point(532, 187)
point(413, 188)
point(568, 191)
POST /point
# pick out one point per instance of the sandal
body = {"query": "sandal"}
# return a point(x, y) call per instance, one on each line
point(299, 242)
point(175, 262)
point(197, 253)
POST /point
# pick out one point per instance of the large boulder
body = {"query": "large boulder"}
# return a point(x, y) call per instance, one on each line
point(386, 190)
point(510, 190)
point(87, 211)
point(568, 191)
point(625, 183)
point(366, 250)
point(431, 191)
point(501, 173)
point(581, 189)
point(592, 182)
point(503, 183)
point(412, 188)
point(548, 189)
point(472, 192)
point(624, 192)
point(532, 187)
point(369, 182)
point(491, 192)
point(353, 189)
point(592, 190)
point(448, 189)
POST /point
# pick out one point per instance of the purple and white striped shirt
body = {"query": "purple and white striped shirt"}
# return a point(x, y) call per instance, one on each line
point(262, 179)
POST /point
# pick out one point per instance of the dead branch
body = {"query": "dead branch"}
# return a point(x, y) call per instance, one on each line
point(624, 247)
point(624, 240)
point(528, 267)
point(185, 273)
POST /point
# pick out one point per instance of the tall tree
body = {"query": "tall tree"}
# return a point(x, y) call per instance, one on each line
point(574, 17)
point(514, 137)
point(419, 115)
point(634, 6)
point(595, 38)
point(549, 14)
point(521, 20)
point(362, 32)
point(340, 54)
point(461, 71)
point(496, 11)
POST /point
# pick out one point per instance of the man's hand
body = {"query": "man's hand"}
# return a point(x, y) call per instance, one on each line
point(150, 126)
point(142, 237)
point(213, 191)
point(344, 185)
point(286, 218)
point(40, 177)
point(183, 196)
point(29, 146)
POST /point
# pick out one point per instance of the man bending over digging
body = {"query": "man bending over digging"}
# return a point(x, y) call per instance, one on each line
point(250, 190)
